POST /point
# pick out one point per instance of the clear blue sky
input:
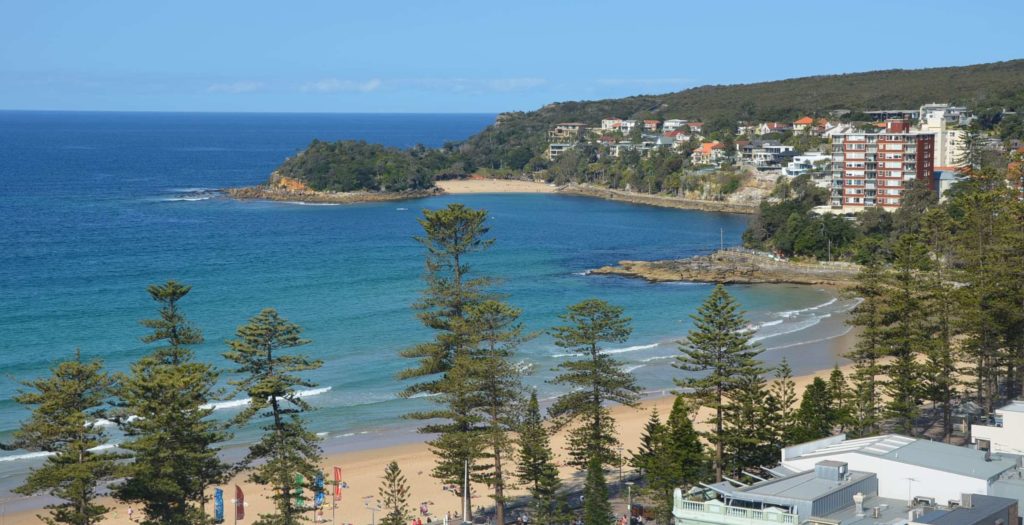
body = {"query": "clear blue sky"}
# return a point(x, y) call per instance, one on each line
point(460, 56)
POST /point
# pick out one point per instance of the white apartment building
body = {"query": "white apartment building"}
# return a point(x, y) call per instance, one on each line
point(949, 142)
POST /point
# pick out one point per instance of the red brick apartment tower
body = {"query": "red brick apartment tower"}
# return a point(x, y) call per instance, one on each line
point(875, 168)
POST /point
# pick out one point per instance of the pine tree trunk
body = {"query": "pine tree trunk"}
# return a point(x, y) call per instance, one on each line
point(718, 438)
point(499, 489)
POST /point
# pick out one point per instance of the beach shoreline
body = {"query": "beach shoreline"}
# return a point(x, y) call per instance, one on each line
point(363, 461)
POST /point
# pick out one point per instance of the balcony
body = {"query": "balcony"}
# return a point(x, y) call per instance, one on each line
point(717, 513)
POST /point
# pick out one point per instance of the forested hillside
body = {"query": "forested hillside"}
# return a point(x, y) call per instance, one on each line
point(984, 88)
point(516, 142)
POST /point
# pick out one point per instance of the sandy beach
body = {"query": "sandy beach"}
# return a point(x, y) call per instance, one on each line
point(482, 185)
point(362, 470)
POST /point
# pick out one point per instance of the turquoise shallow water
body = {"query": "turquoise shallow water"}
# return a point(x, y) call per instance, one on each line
point(97, 205)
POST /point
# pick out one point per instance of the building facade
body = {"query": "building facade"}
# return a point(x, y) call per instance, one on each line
point(875, 168)
point(1005, 433)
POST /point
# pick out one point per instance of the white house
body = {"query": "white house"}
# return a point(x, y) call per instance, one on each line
point(627, 126)
point(1005, 434)
point(611, 124)
point(957, 115)
point(807, 162)
point(673, 124)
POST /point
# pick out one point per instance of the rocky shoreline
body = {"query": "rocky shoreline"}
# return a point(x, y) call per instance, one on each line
point(735, 267)
point(662, 201)
point(278, 193)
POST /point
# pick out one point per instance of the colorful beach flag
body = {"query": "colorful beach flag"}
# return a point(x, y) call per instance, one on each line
point(239, 503)
point(337, 483)
point(318, 490)
point(300, 500)
point(218, 505)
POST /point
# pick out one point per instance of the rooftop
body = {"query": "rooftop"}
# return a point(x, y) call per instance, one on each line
point(1014, 406)
point(929, 454)
point(981, 507)
point(806, 486)
point(889, 511)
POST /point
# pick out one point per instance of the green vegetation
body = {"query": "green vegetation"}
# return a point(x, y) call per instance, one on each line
point(597, 510)
point(394, 496)
point(671, 456)
point(287, 453)
point(67, 407)
point(358, 166)
point(517, 142)
point(595, 380)
point(537, 470)
point(719, 350)
point(165, 415)
point(450, 365)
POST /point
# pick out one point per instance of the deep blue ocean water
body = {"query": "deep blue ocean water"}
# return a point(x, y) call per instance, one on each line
point(96, 206)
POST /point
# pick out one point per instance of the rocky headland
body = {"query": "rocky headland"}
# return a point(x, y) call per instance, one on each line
point(732, 267)
point(287, 189)
point(664, 201)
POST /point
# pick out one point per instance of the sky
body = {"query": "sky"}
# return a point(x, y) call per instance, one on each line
point(483, 56)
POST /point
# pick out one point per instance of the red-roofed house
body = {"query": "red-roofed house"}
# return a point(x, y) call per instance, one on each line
point(651, 125)
point(708, 153)
point(696, 127)
point(809, 124)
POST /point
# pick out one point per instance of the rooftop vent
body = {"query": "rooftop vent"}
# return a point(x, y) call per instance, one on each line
point(831, 470)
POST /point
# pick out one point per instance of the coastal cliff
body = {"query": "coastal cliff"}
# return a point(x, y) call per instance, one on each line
point(733, 267)
point(663, 201)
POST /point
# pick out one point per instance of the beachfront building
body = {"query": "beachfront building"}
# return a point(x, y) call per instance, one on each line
point(872, 169)
point(810, 162)
point(831, 493)
point(673, 124)
point(912, 468)
point(1005, 433)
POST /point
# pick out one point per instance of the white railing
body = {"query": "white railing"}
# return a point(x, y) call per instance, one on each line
point(716, 512)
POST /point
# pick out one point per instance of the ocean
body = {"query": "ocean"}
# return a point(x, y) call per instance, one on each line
point(96, 206)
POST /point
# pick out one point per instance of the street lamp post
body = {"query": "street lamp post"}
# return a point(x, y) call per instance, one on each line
point(629, 501)
point(620, 464)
